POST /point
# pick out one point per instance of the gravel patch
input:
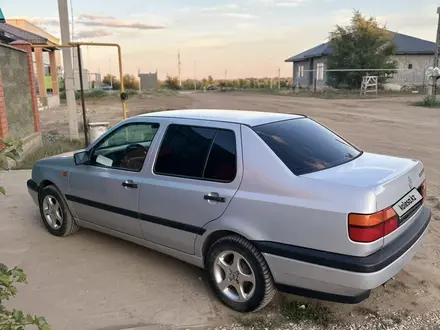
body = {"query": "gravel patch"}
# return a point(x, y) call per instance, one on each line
point(393, 321)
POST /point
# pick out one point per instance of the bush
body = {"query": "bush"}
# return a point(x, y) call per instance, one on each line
point(172, 83)
point(428, 102)
point(8, 150)
point(15, 319)
point(63, 95)
point(95, 94)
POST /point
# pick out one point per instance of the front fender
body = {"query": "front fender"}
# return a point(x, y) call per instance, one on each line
point(54, 171)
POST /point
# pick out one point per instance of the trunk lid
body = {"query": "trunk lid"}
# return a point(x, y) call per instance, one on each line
point(391, 178)
point(396, 182)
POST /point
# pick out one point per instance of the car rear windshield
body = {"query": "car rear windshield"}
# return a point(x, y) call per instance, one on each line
point(306, 146)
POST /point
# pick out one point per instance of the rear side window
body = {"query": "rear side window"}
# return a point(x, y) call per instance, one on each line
point(197, 153)
point(305, 146)
point(222, 163)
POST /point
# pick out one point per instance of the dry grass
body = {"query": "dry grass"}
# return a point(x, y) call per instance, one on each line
point(59, 146)
point(299, 312)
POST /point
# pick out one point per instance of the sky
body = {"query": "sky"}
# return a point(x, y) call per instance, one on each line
point(232, 38)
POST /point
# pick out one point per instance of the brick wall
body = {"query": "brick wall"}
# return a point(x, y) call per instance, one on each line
point(17, 99)
point(412, 69)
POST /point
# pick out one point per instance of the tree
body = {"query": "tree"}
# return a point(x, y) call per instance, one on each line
point(108, 79)
point(361, 45)
point(172, 83)
point(130, 82)
point(15, 319)
point(111, 80)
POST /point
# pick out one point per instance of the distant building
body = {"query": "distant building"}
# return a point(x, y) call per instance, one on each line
point(148, 81)
point(414, 56)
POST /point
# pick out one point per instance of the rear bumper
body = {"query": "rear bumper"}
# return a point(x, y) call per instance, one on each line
point(341, 278)
point(33, 190)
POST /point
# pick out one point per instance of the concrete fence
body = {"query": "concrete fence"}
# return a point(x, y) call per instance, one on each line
point(19, 116)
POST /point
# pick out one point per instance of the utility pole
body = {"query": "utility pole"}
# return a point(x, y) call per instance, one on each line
point(178, 65)
point(110, 72)
point(279, 78)
point(195, 82)
point(436, 57)
point(226, 72)
point(63, 13)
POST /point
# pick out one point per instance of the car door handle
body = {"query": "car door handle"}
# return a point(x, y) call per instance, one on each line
point(129, 184)
point(214, 197)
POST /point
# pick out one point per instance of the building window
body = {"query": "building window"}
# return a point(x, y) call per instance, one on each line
point(300, 72)
point(320, 71)
point(410, 66)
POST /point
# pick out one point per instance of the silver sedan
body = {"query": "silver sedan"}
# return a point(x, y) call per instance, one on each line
point(261, 201)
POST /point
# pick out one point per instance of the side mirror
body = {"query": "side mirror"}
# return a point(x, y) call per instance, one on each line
point(81, 158)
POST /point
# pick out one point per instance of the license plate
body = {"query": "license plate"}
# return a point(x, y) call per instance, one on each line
point(407, 202)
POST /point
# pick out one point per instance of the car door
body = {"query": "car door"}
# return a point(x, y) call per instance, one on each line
point(105, 192)
point(196, 171)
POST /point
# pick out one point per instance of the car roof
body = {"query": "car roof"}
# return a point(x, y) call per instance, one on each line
point(249, 118)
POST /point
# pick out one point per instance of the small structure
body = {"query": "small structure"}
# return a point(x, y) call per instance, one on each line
point(413, 57)
point(148, 81)
point(96, 129)
point(369, 85)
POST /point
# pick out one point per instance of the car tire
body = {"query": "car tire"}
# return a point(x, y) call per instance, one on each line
point(55, 213)
point(239, 274)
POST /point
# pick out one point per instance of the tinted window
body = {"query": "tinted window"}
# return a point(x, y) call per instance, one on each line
point(184, 151)
point(222, 164)
point(306, 146)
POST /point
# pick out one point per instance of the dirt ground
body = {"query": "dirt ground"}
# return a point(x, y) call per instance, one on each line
point(90, 278)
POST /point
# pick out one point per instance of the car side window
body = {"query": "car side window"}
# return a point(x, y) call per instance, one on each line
point(197, 153)
point(222, 161)
point(125, 148)
point(184, 150)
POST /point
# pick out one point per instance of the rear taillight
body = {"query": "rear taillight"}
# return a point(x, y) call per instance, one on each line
point(423, 188)
point(368, 228)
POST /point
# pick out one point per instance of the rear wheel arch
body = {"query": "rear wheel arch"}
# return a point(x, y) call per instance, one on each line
point(213, 237)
